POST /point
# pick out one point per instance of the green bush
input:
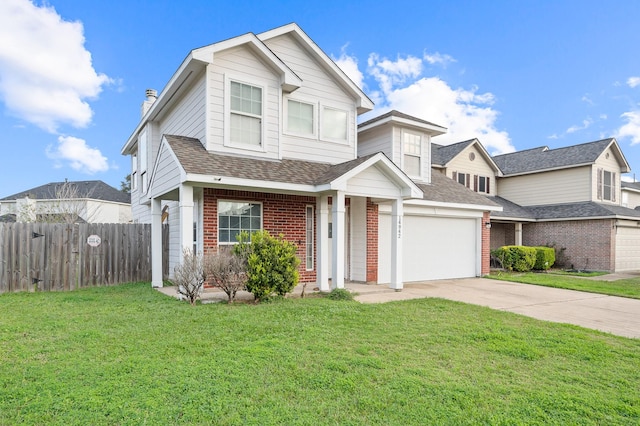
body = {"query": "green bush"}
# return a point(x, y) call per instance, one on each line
point(516, 258)
point(545, 258)
point(340, 294)
point(272, 265)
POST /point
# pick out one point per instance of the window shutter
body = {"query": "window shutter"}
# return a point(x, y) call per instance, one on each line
point(475, 183)
point(454, 176)
point(488, 191)
point(467, 180)
point(613, 187)
point(599, 184)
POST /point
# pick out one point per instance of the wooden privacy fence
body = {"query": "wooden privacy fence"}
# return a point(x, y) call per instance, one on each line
point(52, 256)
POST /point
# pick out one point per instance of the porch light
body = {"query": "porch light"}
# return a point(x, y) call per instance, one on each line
point(487, 225)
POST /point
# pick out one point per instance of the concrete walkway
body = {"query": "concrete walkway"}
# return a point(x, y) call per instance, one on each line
point(616, 315)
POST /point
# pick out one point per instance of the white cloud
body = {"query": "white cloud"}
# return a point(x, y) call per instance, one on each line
point(46, 74)
point(587, 99)
point(585, 124)
point(78, 155)
point(349, 64)
point(553, 136)
point(632, 127)
point(438, 58)
point(466, 113)
point(633, 81)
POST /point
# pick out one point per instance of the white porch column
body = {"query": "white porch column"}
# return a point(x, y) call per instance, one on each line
point(397, 213)
point(518, 241)
point(186, 218)
point(156, 242)
point(322, 242)
point(338, 210)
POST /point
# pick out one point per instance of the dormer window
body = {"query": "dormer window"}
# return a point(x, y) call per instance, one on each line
point(412, 153)
point(606, 185)
point(246, 114)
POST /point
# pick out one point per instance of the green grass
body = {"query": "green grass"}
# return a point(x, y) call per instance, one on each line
point(624, 288)
point(128, 355)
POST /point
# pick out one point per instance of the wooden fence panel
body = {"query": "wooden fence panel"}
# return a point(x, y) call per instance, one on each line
point(50, 257)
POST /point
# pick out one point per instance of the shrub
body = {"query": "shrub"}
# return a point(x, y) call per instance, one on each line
point(545, 258)
point(340, 294)
point(272, 265)
point(189, 276)
point(226, 271)
point(516, 258)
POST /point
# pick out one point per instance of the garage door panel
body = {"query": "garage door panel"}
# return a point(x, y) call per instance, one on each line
point(627, 249)
point(433, 248)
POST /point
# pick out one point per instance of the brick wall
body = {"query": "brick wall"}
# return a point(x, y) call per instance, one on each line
point(589, 243)
point(281, 214)
point(372, 242)
point(498, 234)
point(486, 244)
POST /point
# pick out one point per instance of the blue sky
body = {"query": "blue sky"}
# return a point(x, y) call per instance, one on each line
point(515, 74)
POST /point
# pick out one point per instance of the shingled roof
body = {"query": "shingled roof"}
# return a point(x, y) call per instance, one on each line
point(543, 158)
point(442, 154)
point(446, 190)
point(510, 209)
point(91, 189)
point(631, 185)
point(583, 210)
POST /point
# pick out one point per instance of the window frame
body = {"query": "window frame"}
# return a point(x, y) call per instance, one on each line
point(143, 147)
point(134, 172)
point(321, 121)
point(603, 185)
point(219, 228)
point(479, 180)
point(314, 117)
point(228, 112)
point(420, 156)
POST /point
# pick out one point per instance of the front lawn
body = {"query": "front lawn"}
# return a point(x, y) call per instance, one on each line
point(129, 355)
point(624, 288)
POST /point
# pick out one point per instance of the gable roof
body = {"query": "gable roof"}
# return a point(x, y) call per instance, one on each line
point(442, 154)
point(511, 210)
point(445, 190)
point(542, 158)
point(91, 189)
point(398, 117)
point(631, 186)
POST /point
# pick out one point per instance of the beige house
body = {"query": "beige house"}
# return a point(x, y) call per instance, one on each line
point(571, 198)
point(630, 194)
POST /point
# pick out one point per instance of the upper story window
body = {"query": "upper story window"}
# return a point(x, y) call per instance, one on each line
point(412, 153)
point(143, 154)
point(235, 217)
point(606, 185)
point(246, 114)
point(481, 184)
point(462, 178)
point(134, 172)
point(334, 124)
point(300, 118)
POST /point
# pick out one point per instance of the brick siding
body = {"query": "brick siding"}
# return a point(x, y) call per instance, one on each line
point(281, 214)
point(372, 242)
point(486, 244)
point(589, 244)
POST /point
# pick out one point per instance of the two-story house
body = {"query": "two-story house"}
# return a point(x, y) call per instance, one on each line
point(567, 197)
point(260, 132)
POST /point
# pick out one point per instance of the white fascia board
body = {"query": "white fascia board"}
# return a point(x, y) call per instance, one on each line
point(511, 219)
point(625, 168)
point(409, 188)
point(626, 188)
point(248, 184)
point(289, 79)
point(428, 203)
point(562, 219)
point(431, 129)
point(150, 190)
point(363, 103)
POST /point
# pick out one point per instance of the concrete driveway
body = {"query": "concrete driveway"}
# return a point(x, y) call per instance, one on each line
point(616, 315)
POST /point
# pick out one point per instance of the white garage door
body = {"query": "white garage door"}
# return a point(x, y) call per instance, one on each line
point(627, 249)
point(433, 248)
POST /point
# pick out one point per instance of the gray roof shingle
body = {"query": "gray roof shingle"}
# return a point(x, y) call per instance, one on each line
point(581, 210)
point(442, 154)
point(446, 190)
point(631, 185)
point(543, 158)
point(509, 209)
point(93, 189)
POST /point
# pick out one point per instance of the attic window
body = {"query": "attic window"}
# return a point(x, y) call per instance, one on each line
point(472, 156)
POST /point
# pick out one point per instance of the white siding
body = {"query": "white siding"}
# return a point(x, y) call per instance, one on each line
point(372, 181)
point(187, 116)
point(319, 86)
point(242, 65)
point(358, 244)
point(630, 199)
point(375, 140)
point(175, 247)
point(609, 164)
point(554, 187)
point(462, 163)
point(167, 173)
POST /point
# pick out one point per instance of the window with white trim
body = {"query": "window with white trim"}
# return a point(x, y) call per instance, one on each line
point(334, 124)
point(300, 117)
point(309, 239)
point(235, 217)
point(608, 185)
point(412, 152)
point(134, 172)
point(245, 104)
point(481, 184)
point(143, 154)
point(462, 178)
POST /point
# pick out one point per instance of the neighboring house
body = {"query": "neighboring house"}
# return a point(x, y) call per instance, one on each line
point(71, 202)
point(571, 198)
point(630, 194)
point(259, 132)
